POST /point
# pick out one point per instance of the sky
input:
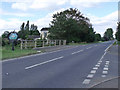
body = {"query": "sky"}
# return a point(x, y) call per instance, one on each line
point(103, 14)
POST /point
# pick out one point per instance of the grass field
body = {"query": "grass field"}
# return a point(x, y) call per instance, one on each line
point(7, 53)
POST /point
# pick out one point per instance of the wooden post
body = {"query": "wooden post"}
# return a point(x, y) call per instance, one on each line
point(49, 42)
point(35, 43)
point(55, 42)
point(43, 43)
point(59, 42)
point(64, 42)
point(21, 44)
point(25, 44)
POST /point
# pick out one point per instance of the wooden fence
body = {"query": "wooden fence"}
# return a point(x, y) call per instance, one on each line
point(40, 43)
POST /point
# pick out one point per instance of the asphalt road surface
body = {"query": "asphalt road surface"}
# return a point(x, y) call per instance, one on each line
point(77, 67)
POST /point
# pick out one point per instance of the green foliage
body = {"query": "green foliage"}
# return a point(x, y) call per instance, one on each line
point(26, 31)
point(98, 37)
point(71, 25)
point(118, 32)
point(108, 35)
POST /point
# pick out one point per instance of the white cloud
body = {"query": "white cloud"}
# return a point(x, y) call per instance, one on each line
point(9, 25)
point(100, 24)
point(19, 14)
point(20, 6)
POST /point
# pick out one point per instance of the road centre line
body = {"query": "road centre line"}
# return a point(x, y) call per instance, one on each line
point(32, 66)
point(86, 81)
point(88, 47)
point(77, 52)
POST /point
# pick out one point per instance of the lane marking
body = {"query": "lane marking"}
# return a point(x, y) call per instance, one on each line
point(93, 71)
point(103, 76)
point(77, 52)
point(90, 76)
point(95, 68)
point(32, 66)
point(105, 72)
point(97, 65)
point(105, 68)
point(88, 47)
point(86, 81)
point(100, 61)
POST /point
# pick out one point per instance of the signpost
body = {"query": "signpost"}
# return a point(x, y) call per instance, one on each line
point(13, 36)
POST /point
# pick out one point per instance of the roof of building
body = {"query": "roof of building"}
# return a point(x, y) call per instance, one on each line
point(45, 29)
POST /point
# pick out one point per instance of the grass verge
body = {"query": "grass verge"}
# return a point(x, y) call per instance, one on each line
point(7, 53)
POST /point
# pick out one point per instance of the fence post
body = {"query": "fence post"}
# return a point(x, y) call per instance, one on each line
point(59, 42)
point(64, 42)
point(49, 42)
point(21, 44)
point(35, 43)
point(43, 43)
point(25, 44)
point(55, 42)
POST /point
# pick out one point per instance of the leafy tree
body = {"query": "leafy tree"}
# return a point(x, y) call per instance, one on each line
point(5, 34)
point(108, 35)
point(98, 37)
point(71, 25)
point(118, 32)
point(22, 33)
point(34, 30)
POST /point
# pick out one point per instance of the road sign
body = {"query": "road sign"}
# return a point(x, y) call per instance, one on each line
point(13, 36)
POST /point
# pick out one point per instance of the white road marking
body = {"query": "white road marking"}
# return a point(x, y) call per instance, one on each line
point(29, 67)
point(89, 47)
point(95, 68)
point(93, 71)
point(105, 68)
point(86, 81)
point(77, 52)
point(97, 65)
point(103, 76)
point(100, 61)
point(90, 76)
point(105, 72)
point(107, 61)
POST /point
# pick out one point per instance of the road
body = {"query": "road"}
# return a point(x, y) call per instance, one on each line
point(77, 67)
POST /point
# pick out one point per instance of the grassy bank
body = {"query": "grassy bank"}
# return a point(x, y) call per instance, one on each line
point(7, 53)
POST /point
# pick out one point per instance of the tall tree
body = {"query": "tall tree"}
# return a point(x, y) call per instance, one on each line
point(22, 33)
point(108, 35)
point(70, 25)
point(118, 32)
point(97, 37)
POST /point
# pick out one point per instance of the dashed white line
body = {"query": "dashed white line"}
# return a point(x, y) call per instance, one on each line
point(105, 72)
point(77, 52)
point(93, 71)
point(86, 81)
point(105, 68)
point(29, 67)
point(90, 76)
point(97, 65)
point(88, 47)
point(103, 76)
point(95, 68)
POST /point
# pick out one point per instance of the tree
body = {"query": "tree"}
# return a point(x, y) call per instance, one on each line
point(97, 37)
point(5, 34)
point(108, 35)
point(34, 30)
point(70, 25)
point(21, 33)
point(118, 32)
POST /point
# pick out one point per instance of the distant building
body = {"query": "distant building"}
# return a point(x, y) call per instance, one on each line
point(44, 33)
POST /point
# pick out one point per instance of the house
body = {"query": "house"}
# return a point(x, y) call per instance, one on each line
point(44, 33)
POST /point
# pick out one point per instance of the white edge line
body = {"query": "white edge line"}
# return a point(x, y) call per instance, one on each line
point(29, 67)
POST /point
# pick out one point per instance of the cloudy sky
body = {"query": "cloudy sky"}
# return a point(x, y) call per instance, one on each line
point(103, 14)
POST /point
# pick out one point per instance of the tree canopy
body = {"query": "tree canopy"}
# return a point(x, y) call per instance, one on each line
point(108, 35)
point(72, 26)
point(118, 32)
